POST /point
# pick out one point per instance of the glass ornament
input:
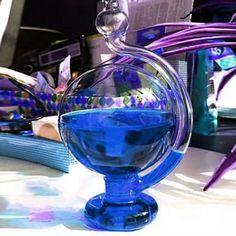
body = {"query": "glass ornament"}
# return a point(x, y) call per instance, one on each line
point(129, 125)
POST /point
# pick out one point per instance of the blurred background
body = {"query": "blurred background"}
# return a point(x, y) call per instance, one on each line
point(40, 34)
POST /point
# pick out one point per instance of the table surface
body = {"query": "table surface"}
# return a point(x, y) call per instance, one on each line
point(37, 200)
point(222, 140)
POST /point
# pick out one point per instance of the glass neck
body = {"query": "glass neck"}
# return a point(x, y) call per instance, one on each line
point(110, 4)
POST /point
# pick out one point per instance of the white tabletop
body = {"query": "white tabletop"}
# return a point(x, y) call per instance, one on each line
point(37, 200)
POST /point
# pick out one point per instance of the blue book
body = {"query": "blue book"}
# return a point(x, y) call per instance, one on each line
point(30, 148)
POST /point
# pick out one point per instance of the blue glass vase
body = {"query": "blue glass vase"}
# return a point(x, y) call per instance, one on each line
point(120, 120)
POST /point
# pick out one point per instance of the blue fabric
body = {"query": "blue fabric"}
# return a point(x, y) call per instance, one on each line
point(46, 152)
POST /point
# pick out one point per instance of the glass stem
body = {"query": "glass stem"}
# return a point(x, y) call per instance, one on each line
point(122, 189)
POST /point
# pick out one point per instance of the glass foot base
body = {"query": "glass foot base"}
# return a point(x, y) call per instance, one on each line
point(127, 216)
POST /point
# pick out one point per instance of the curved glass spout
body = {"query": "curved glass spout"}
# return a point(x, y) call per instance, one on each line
point(171, 77)
point(113, 24)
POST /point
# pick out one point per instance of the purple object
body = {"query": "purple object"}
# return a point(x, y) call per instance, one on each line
point(225, 80)
point(5, 84)
point(227, 164)
point(191, 37)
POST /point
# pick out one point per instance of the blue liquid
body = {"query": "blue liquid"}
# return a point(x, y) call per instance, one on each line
point(117, 141)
